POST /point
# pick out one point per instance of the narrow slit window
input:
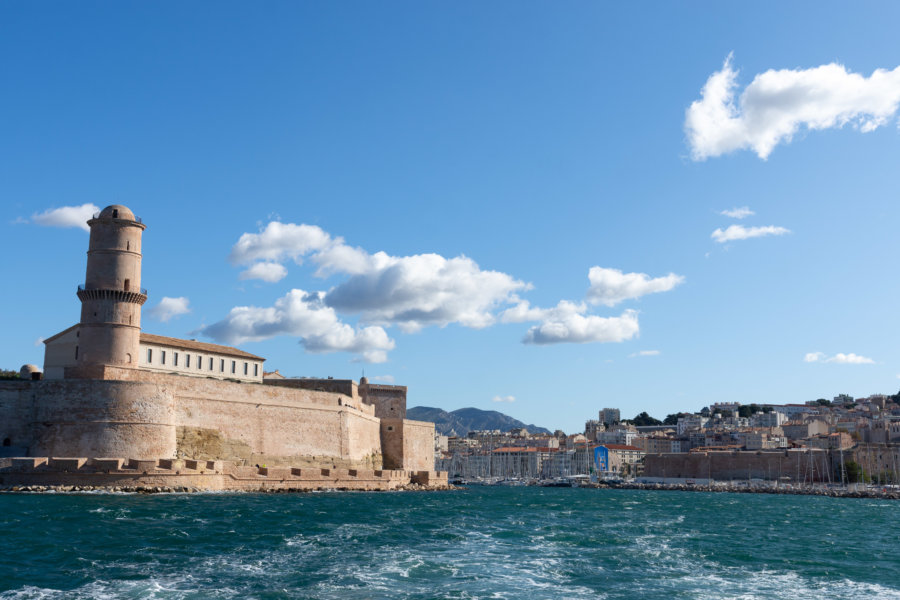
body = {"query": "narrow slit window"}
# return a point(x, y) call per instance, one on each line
point(199, 362)
point(233, 366)
point(175, 359)
point(76, 352)
point(222, 365)
point(246, 367)
point(149, 355)
point(255, 370)
point(187, 361)
point(162, 357)
point(127, 285)
point(210, 363)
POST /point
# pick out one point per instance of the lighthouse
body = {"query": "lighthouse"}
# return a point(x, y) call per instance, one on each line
point(111, 296)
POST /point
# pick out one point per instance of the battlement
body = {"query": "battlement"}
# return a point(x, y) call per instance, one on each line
point(165, 474)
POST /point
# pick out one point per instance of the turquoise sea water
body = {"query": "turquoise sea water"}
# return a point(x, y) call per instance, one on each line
point(478, 543)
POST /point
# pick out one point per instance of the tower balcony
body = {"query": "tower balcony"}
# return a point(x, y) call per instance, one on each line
point(117, 295)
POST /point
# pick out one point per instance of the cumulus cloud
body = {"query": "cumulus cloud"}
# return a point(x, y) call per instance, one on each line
point(611, 286)
point(778, 103)
point(304, 315)
point(169, 308)
point(738, 213)
point(504, 399)
point(413, 292)
point(425, 289)
point(66, 216)
point(644, 353)
point(739, 232)
point(389, 379)
point(277, 242)
point(567, 323)
point(408, 291)
point(266, 271)
point(839, 358)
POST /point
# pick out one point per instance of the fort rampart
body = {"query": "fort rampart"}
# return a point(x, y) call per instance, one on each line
point(146, 415)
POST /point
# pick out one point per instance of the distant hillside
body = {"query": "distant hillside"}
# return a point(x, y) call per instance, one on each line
point(462, 421)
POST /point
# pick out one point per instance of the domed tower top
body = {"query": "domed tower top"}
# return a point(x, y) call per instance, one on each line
point(117, 211)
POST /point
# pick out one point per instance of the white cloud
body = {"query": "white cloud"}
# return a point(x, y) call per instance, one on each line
point(739, 232)
point(304, 315)
point(644, 353)
point(504, 399)
point(277, 242)
point(738, 212)
point(425, 289)
point(168, 308)
point(408, 291)
point(850, 359)
point(389, 379)
point(66, 216)
point(266, 271)
point(777, 104)
point(611, 286)
point(413, 292)
point(839, 358)
point(566, 324)
point(39, 341)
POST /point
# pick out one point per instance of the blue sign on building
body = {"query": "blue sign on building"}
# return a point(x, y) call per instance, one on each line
point(601, 458)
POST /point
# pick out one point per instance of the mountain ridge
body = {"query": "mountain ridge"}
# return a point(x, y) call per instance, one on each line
point(463, 420)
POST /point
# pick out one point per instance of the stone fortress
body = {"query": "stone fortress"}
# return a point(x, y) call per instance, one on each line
point(117, 407)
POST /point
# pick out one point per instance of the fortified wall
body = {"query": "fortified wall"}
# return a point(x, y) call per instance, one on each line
point(104, 403)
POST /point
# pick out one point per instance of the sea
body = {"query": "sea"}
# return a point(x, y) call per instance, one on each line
point(484, 542)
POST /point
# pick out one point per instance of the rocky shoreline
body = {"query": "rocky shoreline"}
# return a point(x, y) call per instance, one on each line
point(879, 494)
point(69, 489)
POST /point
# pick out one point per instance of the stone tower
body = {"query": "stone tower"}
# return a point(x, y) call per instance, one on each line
point(111, 296)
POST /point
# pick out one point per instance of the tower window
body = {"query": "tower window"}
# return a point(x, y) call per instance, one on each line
point(128, 245)
point(115, 213)
point(175, 359)
point(76, 352)
point(127, 285)
point(149, 355)
point(162, 358)
point(245, 368)
point(7, 442)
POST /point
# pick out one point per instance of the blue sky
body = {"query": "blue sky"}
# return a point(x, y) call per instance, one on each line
point(420, 185)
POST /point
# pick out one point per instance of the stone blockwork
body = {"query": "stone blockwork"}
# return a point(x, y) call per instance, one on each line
point(141, 413)
point(118, 473)
point(389, 401)
point(407, 444)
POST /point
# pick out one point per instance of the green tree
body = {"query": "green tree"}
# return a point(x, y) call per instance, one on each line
point(854, 472)
point(744, 411)
point(824, 402)
point(643, 420)
point(672, 419)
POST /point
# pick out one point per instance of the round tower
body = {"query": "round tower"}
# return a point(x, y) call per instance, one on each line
point(111, 296)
